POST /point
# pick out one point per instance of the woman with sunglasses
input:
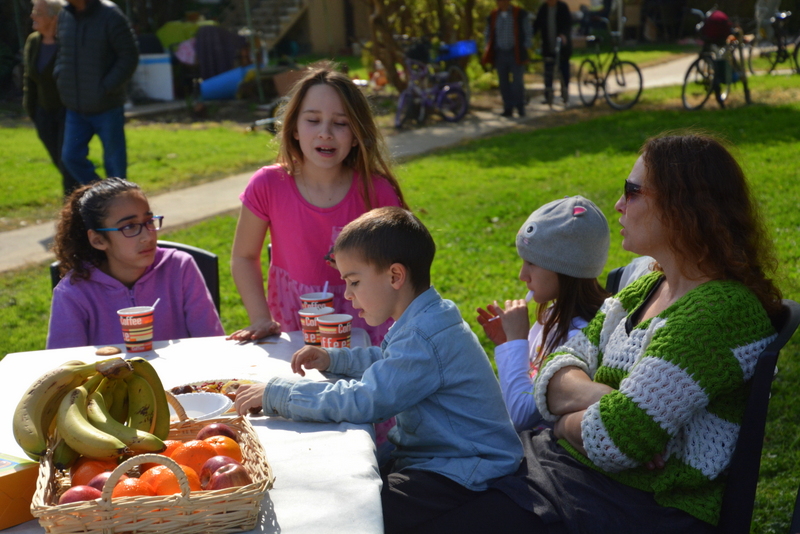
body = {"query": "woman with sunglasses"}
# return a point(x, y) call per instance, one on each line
point(106, 243)
point(647, 399)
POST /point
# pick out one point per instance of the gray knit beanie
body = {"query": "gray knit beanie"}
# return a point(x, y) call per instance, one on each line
point(568, 236)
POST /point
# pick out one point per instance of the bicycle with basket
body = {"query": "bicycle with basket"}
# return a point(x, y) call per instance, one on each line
point(717, 66)
point(620, 80)
point(434, 85)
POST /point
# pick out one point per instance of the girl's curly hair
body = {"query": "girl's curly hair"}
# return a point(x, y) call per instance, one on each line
point(85, 209)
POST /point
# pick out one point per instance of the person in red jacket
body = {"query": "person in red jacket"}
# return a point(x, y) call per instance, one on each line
point(508, 37)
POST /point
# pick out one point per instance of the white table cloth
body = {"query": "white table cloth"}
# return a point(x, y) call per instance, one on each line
point(326, 475)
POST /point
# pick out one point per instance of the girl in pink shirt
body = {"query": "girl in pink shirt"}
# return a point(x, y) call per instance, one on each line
point(330, 169)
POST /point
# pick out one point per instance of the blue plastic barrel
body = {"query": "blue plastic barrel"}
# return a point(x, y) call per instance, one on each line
point(223, 86)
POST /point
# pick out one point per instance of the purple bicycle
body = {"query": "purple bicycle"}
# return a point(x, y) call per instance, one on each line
point(430, 91)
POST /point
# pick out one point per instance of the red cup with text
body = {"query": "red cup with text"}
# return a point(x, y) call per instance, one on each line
point(137, 328)
point(334, 330)
point(308, 321)
point(316, 300)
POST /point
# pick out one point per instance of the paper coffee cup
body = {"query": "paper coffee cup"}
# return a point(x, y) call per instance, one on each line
point(316, 300)
point(308, 320)
point(137, 328)
point(334, 330)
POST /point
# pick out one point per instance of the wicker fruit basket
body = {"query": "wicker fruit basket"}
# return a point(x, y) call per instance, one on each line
point(219, 511)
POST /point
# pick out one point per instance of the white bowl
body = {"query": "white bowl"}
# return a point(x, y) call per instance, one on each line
point(202, 405)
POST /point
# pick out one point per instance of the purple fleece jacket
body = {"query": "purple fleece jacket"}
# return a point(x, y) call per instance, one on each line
point(85, 312)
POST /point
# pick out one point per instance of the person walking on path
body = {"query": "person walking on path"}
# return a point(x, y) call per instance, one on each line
point(553, 21)
point(98, 56)
point(40, 95)
point(508, 37)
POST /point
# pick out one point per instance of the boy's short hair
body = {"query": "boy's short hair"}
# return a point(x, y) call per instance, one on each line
point(389, 235)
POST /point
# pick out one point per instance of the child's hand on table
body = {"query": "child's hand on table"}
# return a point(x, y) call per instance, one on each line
point(249, 398)
point(257, 330)
point(310, 357)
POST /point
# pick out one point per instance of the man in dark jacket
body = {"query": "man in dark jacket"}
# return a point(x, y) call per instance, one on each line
point(554, 21)
point(508, 37)
point(97, 56)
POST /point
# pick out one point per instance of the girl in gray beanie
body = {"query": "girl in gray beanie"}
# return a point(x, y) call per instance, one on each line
point(564, 247)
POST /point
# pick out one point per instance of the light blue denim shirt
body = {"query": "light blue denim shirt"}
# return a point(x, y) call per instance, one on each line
point(430, 372)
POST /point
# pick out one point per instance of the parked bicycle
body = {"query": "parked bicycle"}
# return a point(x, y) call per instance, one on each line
point(427, 92)
point(436, 85)
point(621, 81)
point(769, 55)
point(447, 58)
point(719, 65)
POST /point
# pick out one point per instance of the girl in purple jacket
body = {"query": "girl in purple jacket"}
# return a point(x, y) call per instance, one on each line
point(106, 243)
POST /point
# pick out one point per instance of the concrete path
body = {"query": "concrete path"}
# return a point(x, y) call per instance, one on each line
point(32, 244)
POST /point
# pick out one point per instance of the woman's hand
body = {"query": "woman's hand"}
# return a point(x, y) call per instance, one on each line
point(264, 328)
point(568, 427)
point(492, 323)
point(310, 358)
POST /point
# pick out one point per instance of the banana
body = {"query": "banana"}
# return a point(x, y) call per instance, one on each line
point(118, 405)
point(136, 440)
point(74, 426)
point(144, 369)
point(141, 403)
point(64, 455)
point(39, 405)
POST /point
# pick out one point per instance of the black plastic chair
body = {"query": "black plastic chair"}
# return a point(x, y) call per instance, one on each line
point(206, 261)
point(738, 500)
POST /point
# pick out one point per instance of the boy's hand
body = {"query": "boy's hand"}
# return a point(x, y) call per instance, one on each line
point(310, 358)
point(249, 398)
point(516, 323)
point(492, 323)
point(257, 330)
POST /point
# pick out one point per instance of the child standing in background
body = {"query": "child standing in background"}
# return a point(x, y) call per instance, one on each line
point(106, 244)
point(564, 248)
point(330, 169)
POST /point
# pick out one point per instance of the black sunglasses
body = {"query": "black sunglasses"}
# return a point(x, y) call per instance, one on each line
point(632, 190)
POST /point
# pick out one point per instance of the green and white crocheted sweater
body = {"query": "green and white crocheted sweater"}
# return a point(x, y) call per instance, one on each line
point(680, 381)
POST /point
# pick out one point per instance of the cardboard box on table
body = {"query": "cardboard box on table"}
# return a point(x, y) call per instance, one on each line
point(17, 485)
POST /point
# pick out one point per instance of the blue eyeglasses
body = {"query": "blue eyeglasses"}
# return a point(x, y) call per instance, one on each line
point(134, 229)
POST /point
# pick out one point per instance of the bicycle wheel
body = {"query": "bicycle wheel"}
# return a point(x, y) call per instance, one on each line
point(588, 82)
point(747, 50)
point(698, 83)
point(452, 104)
point(456, 74)
point(623, 85)
point(405, 109)
point(794, 57)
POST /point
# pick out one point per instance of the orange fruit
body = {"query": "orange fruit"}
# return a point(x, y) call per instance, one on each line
point(225, 446)
point(166, 483)
point(171, 444)
point(132, 487)
point(194, 454)
point(86, 469)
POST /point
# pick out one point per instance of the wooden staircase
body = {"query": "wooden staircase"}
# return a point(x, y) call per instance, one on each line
point(272, 19)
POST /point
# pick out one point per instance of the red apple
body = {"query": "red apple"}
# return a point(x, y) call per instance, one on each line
point(79, 493)
point(229, 476)
point(217, 429)
point(100, 480)
point(211, 466)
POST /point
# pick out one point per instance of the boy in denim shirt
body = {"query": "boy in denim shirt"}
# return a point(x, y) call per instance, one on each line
point(453, 433)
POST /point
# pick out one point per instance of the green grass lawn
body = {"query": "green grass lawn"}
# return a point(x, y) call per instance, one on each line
point(474, 197)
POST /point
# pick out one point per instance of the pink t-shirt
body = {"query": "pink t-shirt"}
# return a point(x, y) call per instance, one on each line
point(301, 235)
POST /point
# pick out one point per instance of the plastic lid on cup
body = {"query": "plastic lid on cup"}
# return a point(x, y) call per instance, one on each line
point(136, 310)
point(316, 296)
point(335, 318)
point(316, 312)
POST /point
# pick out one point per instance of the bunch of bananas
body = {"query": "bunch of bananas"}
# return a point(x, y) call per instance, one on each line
point(100, 410)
